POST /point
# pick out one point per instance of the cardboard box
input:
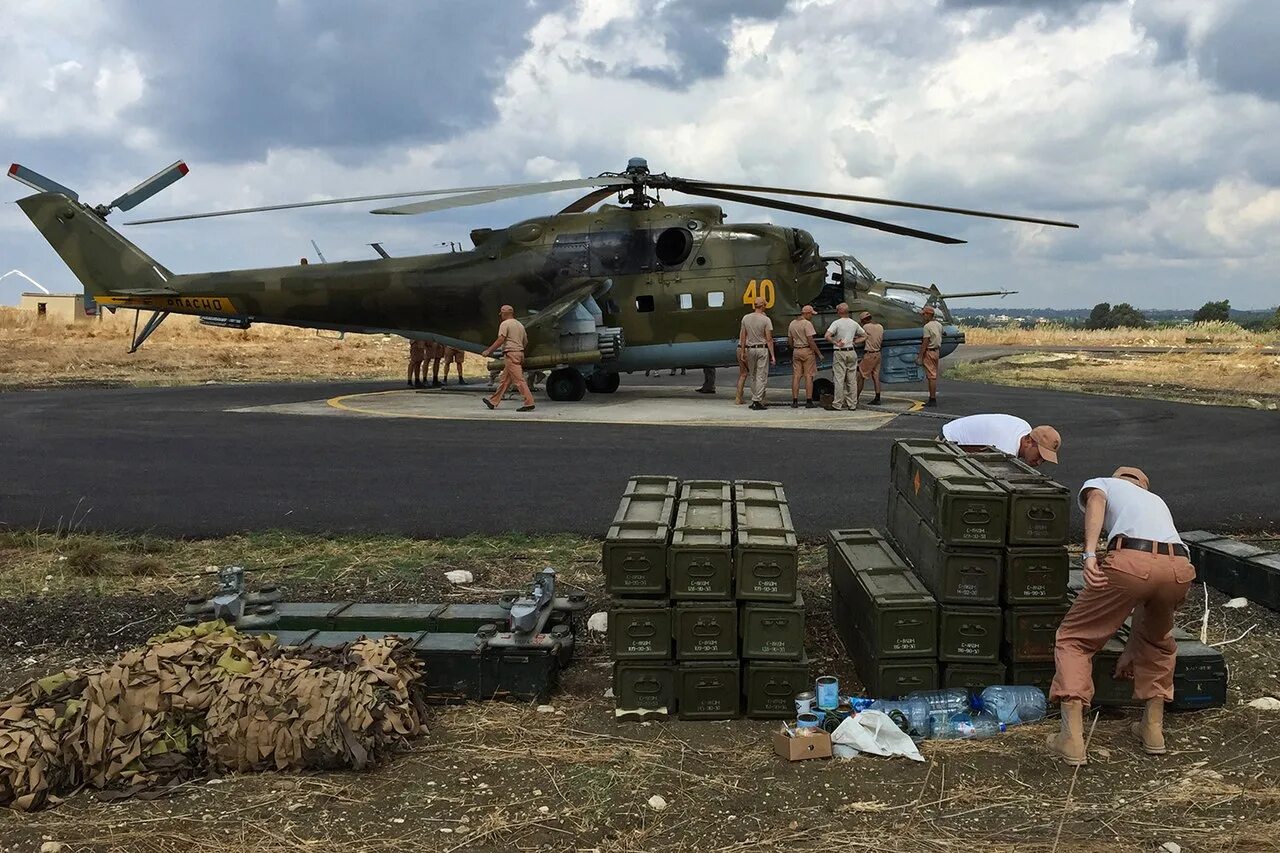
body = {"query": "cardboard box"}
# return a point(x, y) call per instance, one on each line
point(816, 745)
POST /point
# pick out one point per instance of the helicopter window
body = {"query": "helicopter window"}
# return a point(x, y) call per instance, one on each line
point(715, 299)
point(673, 246)
point(644, 303)
point(686, 300)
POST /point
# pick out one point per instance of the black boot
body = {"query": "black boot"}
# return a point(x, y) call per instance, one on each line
point(808, 404)
point(875, 401)
point(795, 404)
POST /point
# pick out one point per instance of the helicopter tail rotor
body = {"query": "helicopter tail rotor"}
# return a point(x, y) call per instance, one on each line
point(125, 201)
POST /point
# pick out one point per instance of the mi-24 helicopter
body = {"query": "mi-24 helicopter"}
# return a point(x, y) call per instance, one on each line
point(603, 289)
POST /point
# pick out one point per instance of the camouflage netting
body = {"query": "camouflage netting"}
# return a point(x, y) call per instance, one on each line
point(205, 697)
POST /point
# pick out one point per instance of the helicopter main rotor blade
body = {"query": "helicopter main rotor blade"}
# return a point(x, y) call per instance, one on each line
point(322, 202)
point(589, 200)
point(501, 193)
point(820, 212)
point(875, 200)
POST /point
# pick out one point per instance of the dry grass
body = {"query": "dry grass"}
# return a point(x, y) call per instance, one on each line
point(182, 352)
point(1233, 379)
point(1049, 334)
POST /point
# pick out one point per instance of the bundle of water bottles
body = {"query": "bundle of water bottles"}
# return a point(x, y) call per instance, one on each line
point(950, 714)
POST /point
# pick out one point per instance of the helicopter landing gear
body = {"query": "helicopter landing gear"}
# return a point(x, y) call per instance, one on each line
point(602, 382)
point(566, 385)
point(822, 386)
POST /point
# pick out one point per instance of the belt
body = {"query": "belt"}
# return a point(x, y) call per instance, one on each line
point(756, 346)
point(845, 349)
point(1171, 548)
point(802, 346)
point(934, 349)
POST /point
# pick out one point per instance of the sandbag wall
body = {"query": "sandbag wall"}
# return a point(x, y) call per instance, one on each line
point(706, 618)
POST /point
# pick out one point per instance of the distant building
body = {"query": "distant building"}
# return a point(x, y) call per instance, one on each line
point(57, 307)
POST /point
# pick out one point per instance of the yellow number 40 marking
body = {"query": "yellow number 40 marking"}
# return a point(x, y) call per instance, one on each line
point(762, 291)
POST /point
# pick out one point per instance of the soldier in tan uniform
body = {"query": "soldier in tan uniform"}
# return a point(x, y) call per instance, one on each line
point(804, 356)
point(417, 353)
point(743, 373)
point(869, 366)
point(930, 352)
point(433, 352)
point(756, 340)
point(512, 339)
point(453, 356)
point(1145, 571)
point(844, 335)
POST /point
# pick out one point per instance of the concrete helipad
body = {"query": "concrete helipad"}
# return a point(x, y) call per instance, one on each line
point(651, 405)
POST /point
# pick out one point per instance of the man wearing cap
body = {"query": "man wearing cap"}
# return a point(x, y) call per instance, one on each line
point(756, 340)
point(512, 339)
point(844, 334)
point(869, 366)
point(804, 356)
point(930, 352)
point(1008, 434)
point(1145, 571)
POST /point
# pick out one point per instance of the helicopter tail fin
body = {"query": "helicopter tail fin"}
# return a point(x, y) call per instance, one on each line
point(99, 256)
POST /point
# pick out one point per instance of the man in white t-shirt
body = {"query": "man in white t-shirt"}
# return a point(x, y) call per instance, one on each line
point(1145, 571)
point(844, 333)
point(1007, 433)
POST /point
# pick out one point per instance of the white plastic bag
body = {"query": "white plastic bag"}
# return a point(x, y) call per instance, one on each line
point(874, 732)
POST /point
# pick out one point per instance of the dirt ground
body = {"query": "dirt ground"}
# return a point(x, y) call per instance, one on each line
point(502, 776)
point(1245, 378)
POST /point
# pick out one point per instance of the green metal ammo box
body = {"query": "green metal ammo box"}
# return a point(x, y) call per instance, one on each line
point(973, 677)
point(1193, 539)
point(758, 490)
point(708, 490)
point(851, 551)
point(644, 687)
point(709, 690)
point(770, 631)
point(766, 556)
point(293, 638)
point(467, 618)
point(904, 448)
point(308, 615)
point(411, 618)
point(770, 687)
point(953, 575)
point(969, 634)
point(1039, 511)
point(653, 486)
point(705, 630)
point(956, 499)
point(1033, 674)
point(1264, 572)
point(1036, 576)
point(895, 679)
point(700, 557)
point(1222, 565)
point(1030, 632)
point(640, 629)
point(635, 549)
point(893, 615)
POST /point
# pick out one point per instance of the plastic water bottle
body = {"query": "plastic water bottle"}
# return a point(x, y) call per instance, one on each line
point(1012, 704)
point(953, 700)
point(967, 727)
point(911, 715)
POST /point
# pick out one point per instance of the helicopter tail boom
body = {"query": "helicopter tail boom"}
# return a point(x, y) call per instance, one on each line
point(96, 253)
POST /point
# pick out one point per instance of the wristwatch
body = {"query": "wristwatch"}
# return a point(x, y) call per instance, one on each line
point(1088, 554)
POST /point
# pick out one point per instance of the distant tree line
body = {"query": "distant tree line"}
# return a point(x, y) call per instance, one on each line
point(1106, 316)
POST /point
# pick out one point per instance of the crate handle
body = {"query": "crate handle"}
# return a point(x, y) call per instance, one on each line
point(972, 570)
point(913, 680)
point(706, 629)
point(908, 623)
point(1041, 513)
point(778, 688)
point(972, 631)
point(709, 684)
point(636, 565)
point(775, 622)
point(647, 685)
point(641, 630)
point(702, 569)
point(976, 515)
point(771, 570)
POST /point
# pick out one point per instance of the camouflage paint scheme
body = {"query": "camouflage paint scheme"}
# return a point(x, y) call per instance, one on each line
point(673, 307)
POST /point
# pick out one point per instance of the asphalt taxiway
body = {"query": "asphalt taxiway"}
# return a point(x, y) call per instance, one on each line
point(375, 458)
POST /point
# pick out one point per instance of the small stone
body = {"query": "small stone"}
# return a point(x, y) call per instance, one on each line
point(544, 809)
point(608, 694)
point(52, 847)
point(546, 709)
point(459, 576)
point(397, 820)
point(1237, 603)
point(657, 803)
point(1266, 703)
point(446, 830)
point(1255, 404)
point(537, 792)
point(599, 622)
point(1170, 847)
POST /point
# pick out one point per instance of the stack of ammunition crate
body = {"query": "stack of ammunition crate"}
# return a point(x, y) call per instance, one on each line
point(1235, 568)
point(706, 612)
point(987, 536)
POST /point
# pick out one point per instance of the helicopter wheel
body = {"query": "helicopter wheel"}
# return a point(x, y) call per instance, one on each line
point(823, 386)
point(566, 385)
point(602, 382)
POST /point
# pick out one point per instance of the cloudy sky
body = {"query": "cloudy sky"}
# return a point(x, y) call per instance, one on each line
point(1152, 123)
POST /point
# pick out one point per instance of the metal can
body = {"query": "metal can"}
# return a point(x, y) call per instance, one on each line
point(806, 723)
point(804, 702)
point(828, 692)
